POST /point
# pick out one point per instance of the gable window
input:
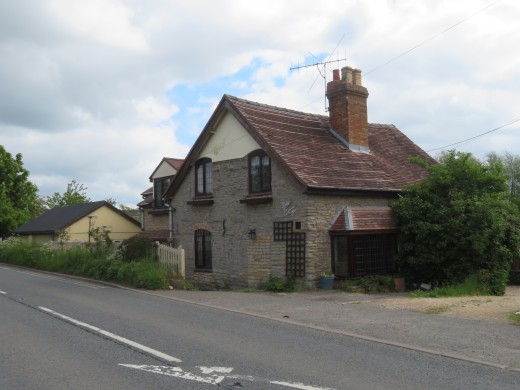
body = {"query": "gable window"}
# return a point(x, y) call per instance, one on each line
point(202, 248)
point(204, 177)
point(160, 186)
point(259, 172)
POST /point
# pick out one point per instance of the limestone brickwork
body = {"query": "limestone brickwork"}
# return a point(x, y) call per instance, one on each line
point(237, 260)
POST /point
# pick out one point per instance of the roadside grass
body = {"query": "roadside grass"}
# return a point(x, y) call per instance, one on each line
point(81, 261)
point(437, 309)
point(515, 318)
point(473, 285)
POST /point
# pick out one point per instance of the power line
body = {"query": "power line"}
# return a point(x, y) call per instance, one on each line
point(476, 136)
point(430, 39)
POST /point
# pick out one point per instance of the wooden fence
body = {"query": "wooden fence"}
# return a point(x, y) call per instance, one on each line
point(172, 258)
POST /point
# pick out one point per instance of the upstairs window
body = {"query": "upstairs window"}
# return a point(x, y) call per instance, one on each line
point(259, 172)
point(204, 177)
point(160, 186)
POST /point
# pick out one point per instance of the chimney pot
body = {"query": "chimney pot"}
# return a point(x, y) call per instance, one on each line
point(335, 75)
point(357, 76)
point(346, 74)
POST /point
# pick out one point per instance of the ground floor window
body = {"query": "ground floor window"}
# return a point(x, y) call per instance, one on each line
point(202, 248)
point(356, 255)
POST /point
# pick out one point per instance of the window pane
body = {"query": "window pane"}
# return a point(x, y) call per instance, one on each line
point(199, 250)
point(157, 193)
point(266, 173)
point(207, 249)
point(255, 174)
point(200, 179)
point(209, 177)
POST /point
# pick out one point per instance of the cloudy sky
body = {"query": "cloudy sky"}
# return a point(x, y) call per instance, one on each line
point(99, 91)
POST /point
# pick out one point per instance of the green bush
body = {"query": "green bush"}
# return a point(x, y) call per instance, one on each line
point(514, 278)
point(457, 221)
point(475, 284)
point(276, 284)
point(80, 261)
point(137, 248)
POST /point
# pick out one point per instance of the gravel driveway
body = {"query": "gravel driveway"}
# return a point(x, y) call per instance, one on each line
point(487, 308)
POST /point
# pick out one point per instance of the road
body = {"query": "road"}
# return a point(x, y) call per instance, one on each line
point(62, 333)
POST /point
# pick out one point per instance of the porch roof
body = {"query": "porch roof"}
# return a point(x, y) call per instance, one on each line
point(364, 218)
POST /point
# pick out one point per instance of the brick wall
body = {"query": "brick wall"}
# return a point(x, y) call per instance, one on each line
point(154, 220)
point(238, 261)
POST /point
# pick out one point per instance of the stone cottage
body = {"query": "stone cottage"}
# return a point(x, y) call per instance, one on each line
point(154, 213)
point(270, 191)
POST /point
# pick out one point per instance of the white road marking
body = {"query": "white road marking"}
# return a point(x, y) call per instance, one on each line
point(211, 370)
point(215, 379)
point(2, 292)
point(113, 336)
point(300, 386)
point(176, 372)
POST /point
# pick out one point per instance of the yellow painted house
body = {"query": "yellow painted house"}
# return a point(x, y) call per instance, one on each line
point(78, 221)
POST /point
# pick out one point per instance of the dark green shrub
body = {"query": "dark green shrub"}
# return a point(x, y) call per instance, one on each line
point(137, 248)
point(514, 278)
point(276, 284)
point(456, 222)
point(80, 261)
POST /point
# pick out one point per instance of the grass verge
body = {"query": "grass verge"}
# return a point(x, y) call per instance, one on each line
point(80, 261)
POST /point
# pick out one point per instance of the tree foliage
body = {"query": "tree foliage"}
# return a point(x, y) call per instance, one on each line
point(511, 164)
point(457, 222)
point(18, 196)
point(75, 194)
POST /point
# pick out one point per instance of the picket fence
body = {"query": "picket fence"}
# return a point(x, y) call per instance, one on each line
point(172, 258)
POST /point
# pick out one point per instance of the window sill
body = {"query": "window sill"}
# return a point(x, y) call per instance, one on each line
point(201, 201)
point(158, 211)
point(203, 270)
point(258, 199)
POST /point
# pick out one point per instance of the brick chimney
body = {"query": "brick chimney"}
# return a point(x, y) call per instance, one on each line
point(348, 108)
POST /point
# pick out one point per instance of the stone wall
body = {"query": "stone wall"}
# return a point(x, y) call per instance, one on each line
point(155, 219)
point(238, 261)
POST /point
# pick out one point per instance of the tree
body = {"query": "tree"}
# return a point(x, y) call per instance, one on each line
point(511, 165)
point(457, 222)
point(75, 194)
point(18, 196)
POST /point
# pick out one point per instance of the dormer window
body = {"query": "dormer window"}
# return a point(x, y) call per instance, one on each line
point(160, 185)
point(203, 177)
point(259, 172)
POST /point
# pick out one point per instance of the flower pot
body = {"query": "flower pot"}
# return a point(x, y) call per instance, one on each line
point(326, 282)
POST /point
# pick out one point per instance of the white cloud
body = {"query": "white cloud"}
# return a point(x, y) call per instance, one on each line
point(86, 85)
point(106, 21)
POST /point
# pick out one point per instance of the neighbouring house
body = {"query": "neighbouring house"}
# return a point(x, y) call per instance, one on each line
point(155, 214)
point(78, 221)
point(267, 191)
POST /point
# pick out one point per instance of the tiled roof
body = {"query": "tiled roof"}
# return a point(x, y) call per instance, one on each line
point(61, 217)
point(147, 192)
point(304, 145)
point(364, 218)
point(174, 162)
point(319, 160)
point(145, 202)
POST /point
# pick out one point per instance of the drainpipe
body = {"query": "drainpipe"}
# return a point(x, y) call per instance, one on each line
point(170, 223)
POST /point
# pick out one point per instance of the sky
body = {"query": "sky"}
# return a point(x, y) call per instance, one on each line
point(100, 91)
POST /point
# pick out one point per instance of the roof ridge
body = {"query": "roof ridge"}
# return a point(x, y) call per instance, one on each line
point(277, 108)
